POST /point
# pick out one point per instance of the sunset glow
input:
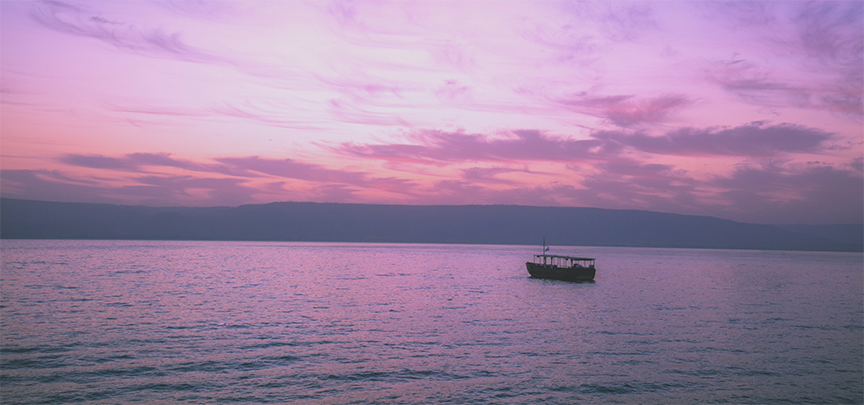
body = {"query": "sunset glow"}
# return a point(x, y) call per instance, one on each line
point(746, 111)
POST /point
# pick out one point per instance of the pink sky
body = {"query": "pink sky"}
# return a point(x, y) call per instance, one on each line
point(746, 111)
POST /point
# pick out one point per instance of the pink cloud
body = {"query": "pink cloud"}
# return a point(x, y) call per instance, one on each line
point(624, 111)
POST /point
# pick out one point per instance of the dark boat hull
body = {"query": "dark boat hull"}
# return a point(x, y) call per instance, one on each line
point(558, 273)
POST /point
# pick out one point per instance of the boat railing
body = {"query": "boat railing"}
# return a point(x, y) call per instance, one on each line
point(564, 261)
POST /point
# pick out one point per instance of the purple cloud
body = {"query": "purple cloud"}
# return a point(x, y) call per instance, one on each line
point(758, 86)
point(136, 162)
point(629, 184)
point(51, 186)
point(147, 190)
point(753, 140)
point(488, 175)
point(628, 22)
point(74, 20)
point(810, 194)
point(833, 34)
point(440, 147)
point(100, 162)
point(163, 190)
point(207, 10)
point(748, 140)
point(329, 183)
point(826, 42)
point(289, 168)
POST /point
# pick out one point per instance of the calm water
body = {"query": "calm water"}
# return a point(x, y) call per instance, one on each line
point(125, 321)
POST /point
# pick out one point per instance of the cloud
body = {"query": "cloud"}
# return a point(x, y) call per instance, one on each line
point(208, 10)
point(99, 162)
point(581, 32)
point(324, 183)
point(51, 186)
point(74, 20)
point(353, 111)
point(434, 147)
point(627, 22)
point(623, 184)
point(152, 190)
point(779, 194)
point(747, 14)
point(336, 180)
point(165, 190)
point(753, 140)
point(488, 175)
point(442, 148)
point(136, 162)
point(289, 168)
point(254, 113)
point(790, 193)
point(604, 174)
point(624, 110)
point(857, 164)
point(757, 86)
point(630, 184)
point(823, 44)
point(772, 193)
point(833, 34)
point(794, 194)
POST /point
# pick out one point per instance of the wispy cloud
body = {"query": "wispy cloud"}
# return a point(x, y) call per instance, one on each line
point(627, 21)
point(823, 41)
point(209, 10)
point(832, 34)
point(77, 20)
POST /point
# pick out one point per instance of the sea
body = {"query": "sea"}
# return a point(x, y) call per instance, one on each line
point(340, 323)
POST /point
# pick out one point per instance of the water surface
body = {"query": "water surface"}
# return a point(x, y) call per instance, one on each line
point(123, 321)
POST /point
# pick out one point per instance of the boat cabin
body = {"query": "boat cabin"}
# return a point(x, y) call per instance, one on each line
point(564, 262)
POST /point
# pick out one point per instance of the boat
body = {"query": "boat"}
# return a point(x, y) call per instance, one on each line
point(557, 267)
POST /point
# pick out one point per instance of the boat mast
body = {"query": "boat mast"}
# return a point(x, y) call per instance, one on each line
point(544, 251)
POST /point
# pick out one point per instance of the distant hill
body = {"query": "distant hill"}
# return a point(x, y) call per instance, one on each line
point(471, 224)
point(842, 233)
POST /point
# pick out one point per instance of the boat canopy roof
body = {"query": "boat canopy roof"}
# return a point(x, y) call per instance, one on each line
point(564, 257)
